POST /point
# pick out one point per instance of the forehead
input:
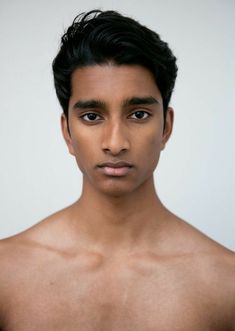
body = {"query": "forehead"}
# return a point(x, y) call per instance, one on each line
point(112, 82)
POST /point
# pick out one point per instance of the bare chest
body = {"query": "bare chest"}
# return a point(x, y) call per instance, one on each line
point(113, 299)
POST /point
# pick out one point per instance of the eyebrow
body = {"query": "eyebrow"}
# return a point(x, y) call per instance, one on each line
point(88, 104)
point(133, 101)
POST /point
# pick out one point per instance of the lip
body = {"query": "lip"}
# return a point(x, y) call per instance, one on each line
point(118, 164)
point(120, 168)
point(111, 171)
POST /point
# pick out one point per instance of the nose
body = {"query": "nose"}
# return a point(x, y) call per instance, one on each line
point(115, 140)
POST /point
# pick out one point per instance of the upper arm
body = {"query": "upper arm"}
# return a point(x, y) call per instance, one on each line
point(226, 277)
point(5, 271)
point(219, 279)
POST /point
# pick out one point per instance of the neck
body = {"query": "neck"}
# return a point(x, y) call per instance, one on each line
point(120, 222)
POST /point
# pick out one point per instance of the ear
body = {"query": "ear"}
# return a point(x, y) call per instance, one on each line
point(66, 133)
point(168, 127)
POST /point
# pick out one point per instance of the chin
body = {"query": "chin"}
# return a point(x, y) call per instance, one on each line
point(115, 189)
point(116, 186)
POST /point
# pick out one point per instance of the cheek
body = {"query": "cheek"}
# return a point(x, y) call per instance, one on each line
point(152, 149)
point(84, 146)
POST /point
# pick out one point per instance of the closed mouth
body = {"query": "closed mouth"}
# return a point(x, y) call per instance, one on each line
point(119, 164)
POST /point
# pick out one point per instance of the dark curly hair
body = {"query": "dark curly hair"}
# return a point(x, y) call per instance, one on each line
point(100, 37)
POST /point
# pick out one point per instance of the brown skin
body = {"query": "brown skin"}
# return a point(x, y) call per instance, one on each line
point(116, 259)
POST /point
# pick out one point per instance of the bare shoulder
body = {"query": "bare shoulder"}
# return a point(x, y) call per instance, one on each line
point(45, 234)
point(10, 264)
point(21, 250)
point(212, 267)
point(216, 270)
point(214, 258)
point(28, 254)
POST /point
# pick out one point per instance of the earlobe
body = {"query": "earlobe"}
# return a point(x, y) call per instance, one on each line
point(168, 126)
point(66, 133)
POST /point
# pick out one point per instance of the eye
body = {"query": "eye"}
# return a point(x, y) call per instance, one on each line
point(91, 117)
point(141, 115)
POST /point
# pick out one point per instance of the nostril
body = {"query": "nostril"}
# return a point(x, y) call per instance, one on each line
point(114, 152)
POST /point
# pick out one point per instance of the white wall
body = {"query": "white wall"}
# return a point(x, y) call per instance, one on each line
point(195, 178)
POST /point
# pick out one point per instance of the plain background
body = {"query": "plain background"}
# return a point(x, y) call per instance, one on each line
point(195, 176)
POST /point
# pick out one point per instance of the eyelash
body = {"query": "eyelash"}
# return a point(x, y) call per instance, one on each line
point(141, 111)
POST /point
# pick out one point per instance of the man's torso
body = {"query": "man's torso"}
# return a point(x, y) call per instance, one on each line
point(49, 290)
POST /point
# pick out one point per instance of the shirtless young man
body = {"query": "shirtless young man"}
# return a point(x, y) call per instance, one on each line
point(117, 259)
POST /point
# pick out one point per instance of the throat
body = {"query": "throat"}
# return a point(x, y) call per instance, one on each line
point(115, 227)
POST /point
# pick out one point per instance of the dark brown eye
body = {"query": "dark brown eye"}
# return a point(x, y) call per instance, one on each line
point(90, 117)
point(140, 114)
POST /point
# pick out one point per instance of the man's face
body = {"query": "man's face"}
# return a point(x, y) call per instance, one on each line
point(116, 114)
